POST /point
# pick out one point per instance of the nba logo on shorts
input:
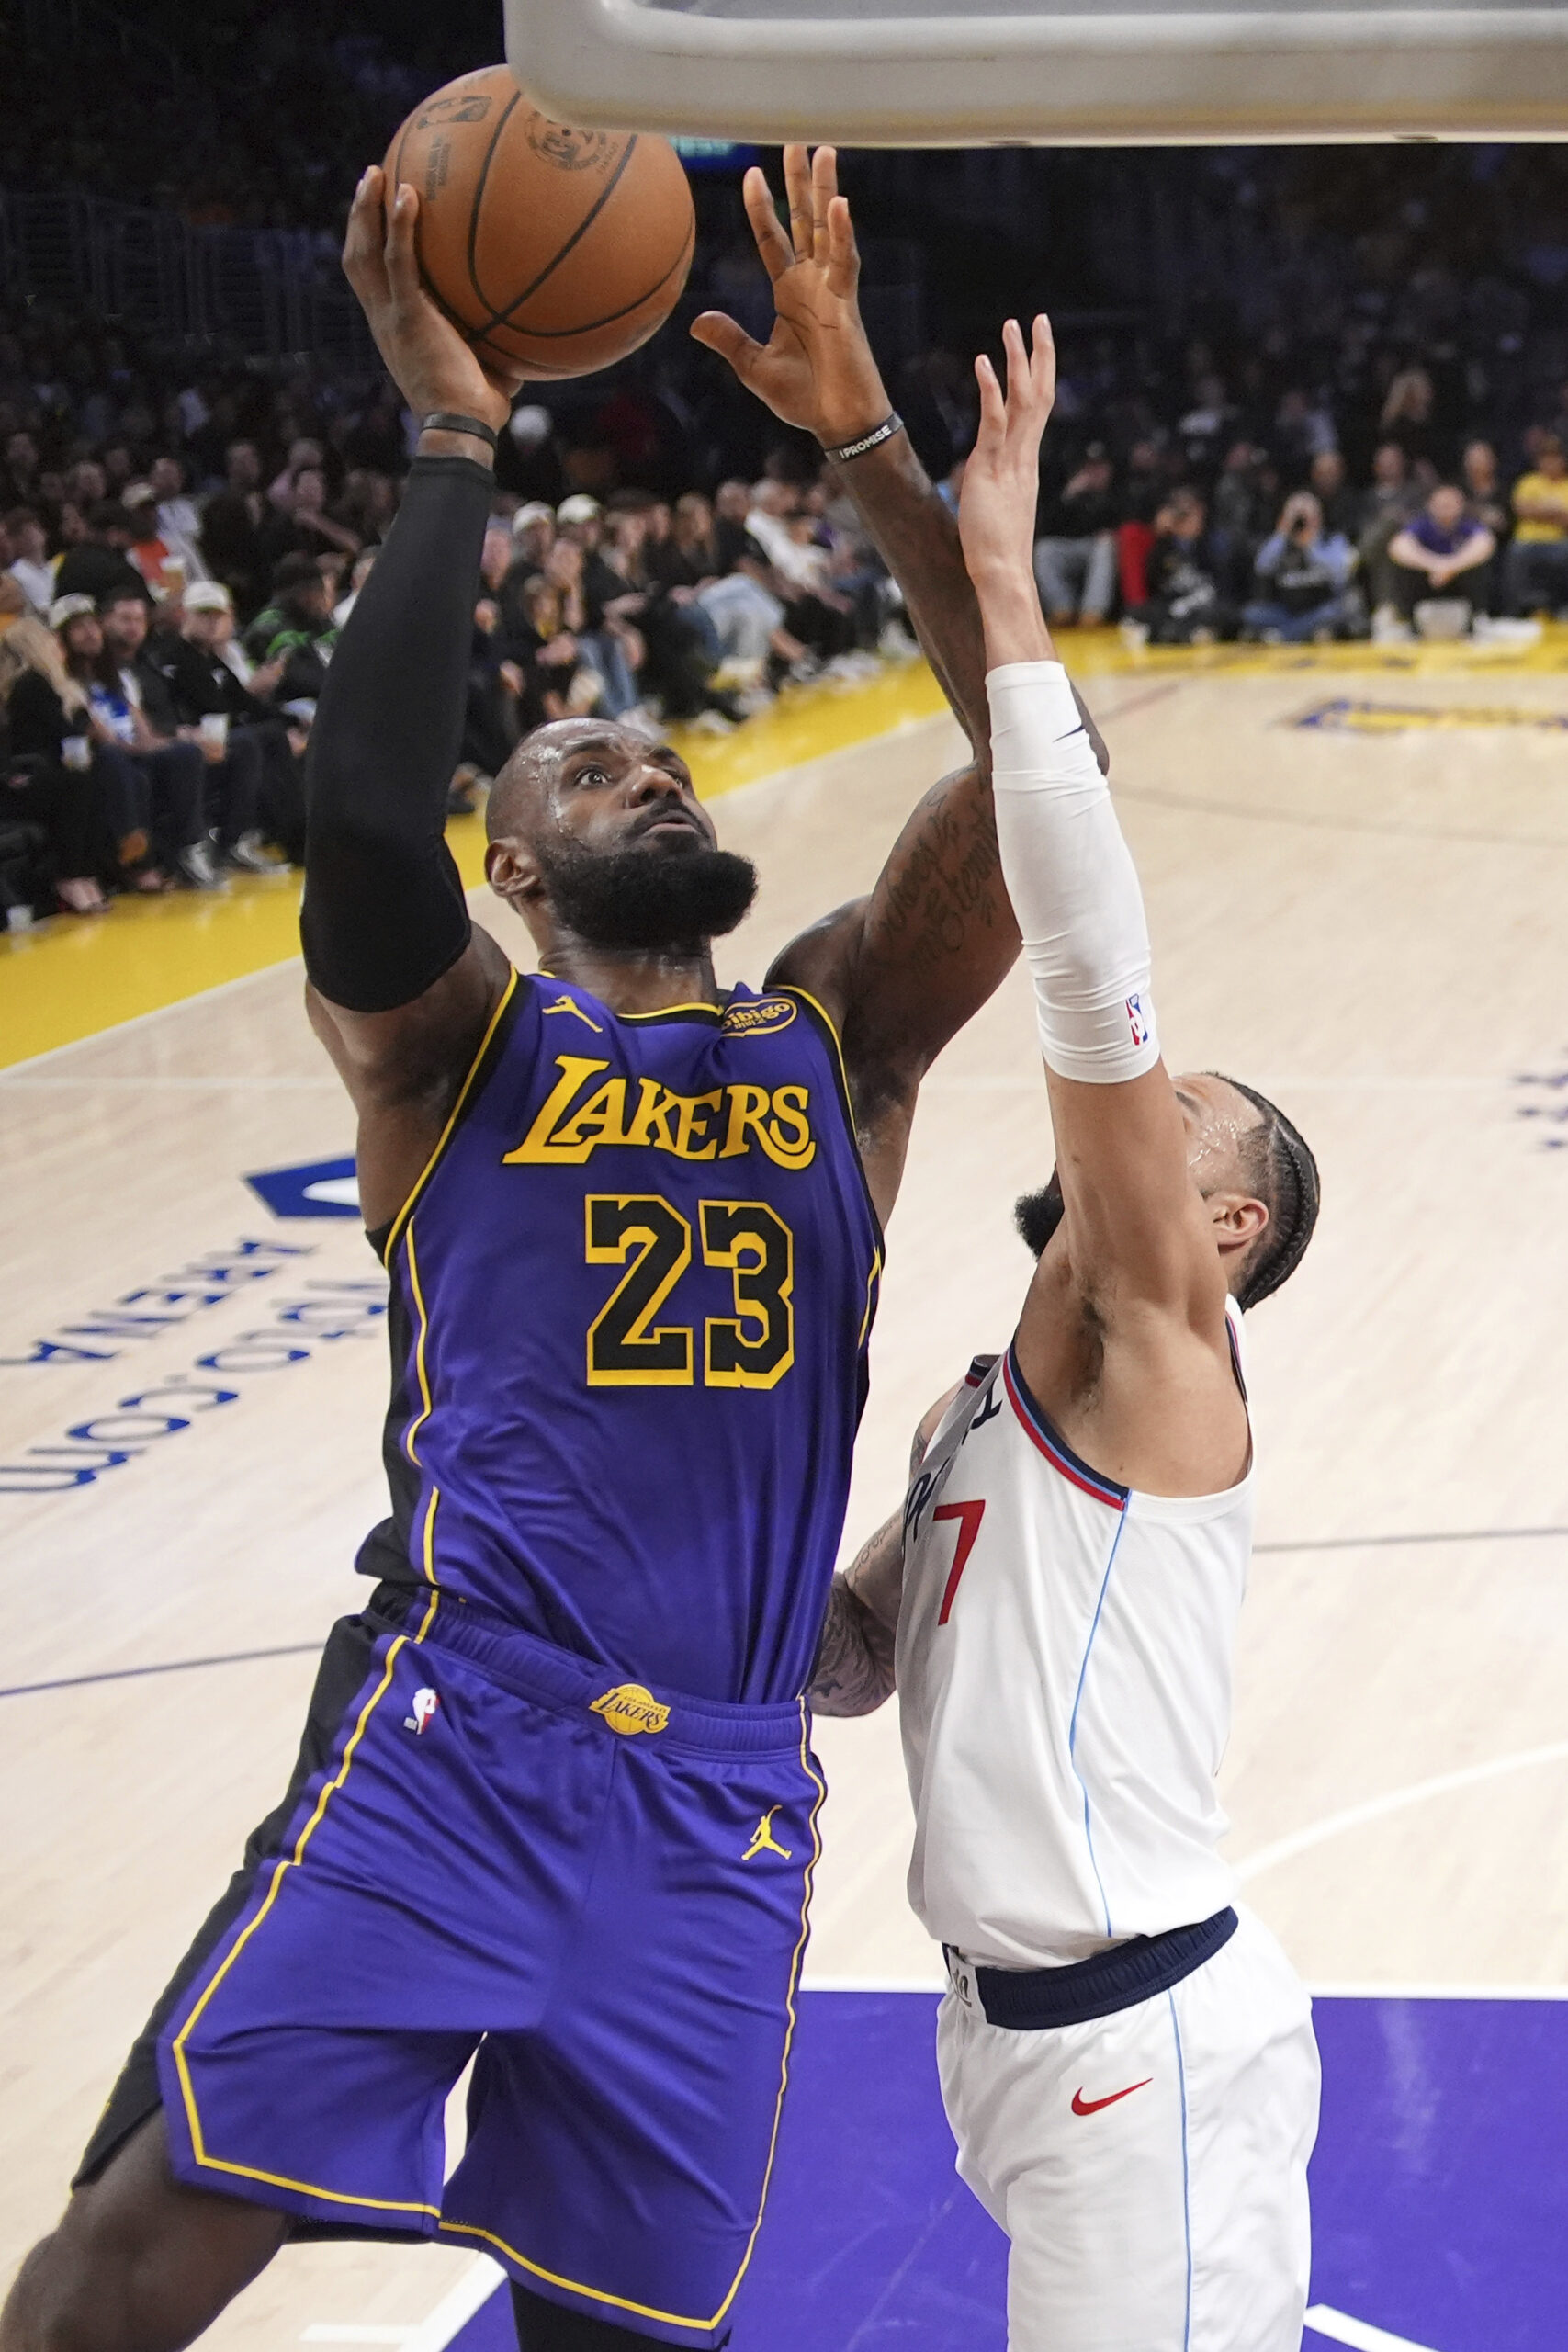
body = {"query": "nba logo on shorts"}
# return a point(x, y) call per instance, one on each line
point(425, 1703)
point(1135, 1021)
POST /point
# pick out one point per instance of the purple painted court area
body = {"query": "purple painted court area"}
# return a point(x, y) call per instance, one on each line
point(1440, 2186)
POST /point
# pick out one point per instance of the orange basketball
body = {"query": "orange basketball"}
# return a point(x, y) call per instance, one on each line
point(555, 250)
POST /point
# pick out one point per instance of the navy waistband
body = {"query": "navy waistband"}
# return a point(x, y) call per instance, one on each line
point(1034, 2000)
point(557, 1677)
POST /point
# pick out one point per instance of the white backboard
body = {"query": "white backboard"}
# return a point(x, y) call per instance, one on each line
point(911, 73)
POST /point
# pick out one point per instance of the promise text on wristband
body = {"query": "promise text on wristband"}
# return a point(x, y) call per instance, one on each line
point(883, 432)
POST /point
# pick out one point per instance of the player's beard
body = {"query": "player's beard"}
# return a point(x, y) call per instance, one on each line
point(1037, 1214)
point(656, 901)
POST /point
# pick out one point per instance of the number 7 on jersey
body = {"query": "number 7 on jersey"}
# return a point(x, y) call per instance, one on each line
point(968, 1516)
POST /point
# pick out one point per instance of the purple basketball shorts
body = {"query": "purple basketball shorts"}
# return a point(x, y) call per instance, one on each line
point(596, 1892)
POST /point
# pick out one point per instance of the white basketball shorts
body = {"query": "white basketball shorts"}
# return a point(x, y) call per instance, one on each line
point(1150, 2167)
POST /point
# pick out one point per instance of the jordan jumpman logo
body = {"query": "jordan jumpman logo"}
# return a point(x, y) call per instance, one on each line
point(762, 1839)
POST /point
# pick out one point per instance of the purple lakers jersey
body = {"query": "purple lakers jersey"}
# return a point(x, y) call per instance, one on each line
point(631, 1297)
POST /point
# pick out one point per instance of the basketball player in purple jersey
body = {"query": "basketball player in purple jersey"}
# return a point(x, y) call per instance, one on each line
point(555, 1808)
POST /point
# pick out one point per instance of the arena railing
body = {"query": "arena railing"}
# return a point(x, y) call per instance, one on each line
point(259, 293)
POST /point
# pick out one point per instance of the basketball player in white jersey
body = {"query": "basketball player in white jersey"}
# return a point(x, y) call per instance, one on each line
point(1128, 2067)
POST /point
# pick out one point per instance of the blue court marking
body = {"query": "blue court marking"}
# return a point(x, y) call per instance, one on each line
point(1438, 2186)
point(312, 1188)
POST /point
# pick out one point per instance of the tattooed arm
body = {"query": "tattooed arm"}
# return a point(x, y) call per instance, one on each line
point(853, 1673)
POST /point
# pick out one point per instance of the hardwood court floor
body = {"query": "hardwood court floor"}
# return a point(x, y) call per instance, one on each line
point(1362, 915)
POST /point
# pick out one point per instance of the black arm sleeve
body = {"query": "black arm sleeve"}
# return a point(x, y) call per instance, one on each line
point(384, 913)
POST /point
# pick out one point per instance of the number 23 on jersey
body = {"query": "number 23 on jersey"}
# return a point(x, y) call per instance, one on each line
point(630, 1347)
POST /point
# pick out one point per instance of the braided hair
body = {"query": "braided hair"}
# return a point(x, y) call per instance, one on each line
point(1279, 1162)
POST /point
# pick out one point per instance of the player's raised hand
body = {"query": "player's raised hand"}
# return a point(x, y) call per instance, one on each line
point(429, 361)
point(816, 369)
point(1001, 478)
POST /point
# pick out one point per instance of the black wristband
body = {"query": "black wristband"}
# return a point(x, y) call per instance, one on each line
point(890, 424)
point(446, 421)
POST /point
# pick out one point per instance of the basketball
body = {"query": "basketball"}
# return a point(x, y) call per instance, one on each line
point(556, 250)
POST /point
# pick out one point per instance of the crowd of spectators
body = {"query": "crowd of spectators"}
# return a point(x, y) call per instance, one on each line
point(1301, 395)
point(167, 614)
point(1192, 547)
point(171, 587)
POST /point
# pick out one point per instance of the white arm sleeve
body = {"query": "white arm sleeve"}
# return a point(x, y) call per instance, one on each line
point(1071, 879)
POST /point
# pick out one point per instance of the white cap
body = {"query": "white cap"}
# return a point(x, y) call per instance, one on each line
point(534, 512)
point(207, 597)
point(69, 608)
point(579, 508)
point(139, 493)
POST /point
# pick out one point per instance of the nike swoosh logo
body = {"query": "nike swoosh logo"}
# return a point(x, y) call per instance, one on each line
point(1082, 2106)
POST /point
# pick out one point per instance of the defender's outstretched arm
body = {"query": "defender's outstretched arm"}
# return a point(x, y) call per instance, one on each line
point(1134, 1283)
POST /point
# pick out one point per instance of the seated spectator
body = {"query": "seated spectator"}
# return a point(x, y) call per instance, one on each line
point(40, 784)
point(1341, 505)
point(678, 558)
point(1484, 491)
point(134, 700)
point(31, 567)
point(554, 681)
point(527, 548)
point(99, 565)
point(123, 789)
point(599, 652)
point(364, 564)
point(1075, 556)
point(179, 523)
point(822, 620)
point(368, 505)
point(608, 635)
point(149, 550)
point(676, 664)
point(1445, 551)
point(254, 786)
point(1386, 507)
point(304, 452)
point(1241, 510)
point(533, 533)
point(1184, 604)
point(302, 525)
point(1539, 561)
point(491, 724)
point(231, 539)
point(1142, 496)
point(1302, 574)
point(1407, 412)
point(295, 626)
point(731, 539)
point(20, 475)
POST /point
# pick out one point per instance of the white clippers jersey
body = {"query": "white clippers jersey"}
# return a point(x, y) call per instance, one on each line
point(1064, 1667)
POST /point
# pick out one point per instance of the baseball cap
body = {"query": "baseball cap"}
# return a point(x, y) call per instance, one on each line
point(67, 608)
point(536, 511)
point(579, 508)
point(139, 493)
point(207, 597)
